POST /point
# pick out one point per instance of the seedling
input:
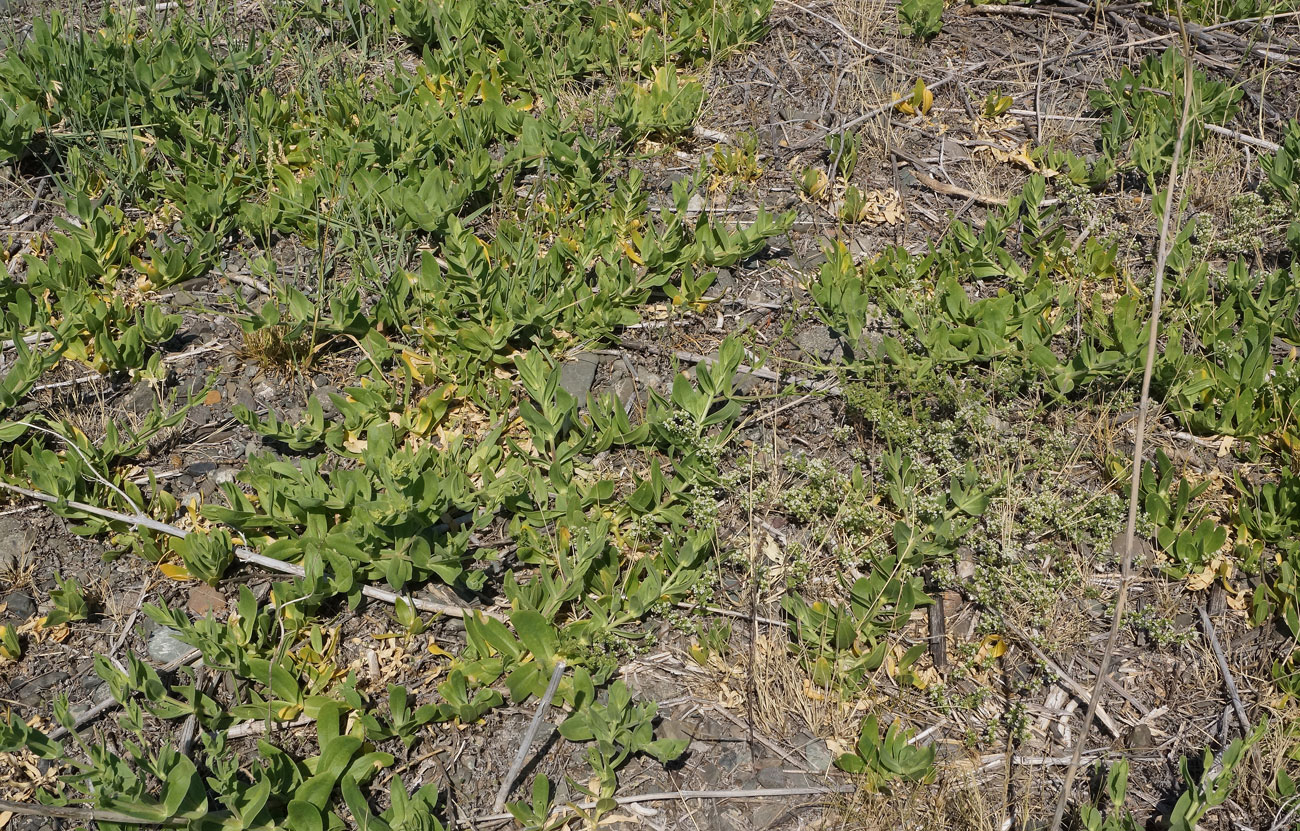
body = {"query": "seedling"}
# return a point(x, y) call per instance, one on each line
point(842, 148)
point(918, 102)
point(665, 107)
point(995, 104)
point(10, 649)
point(921, 19)
point(69, 602)
point(893, 757)
point(814, 185)
point(617, 729)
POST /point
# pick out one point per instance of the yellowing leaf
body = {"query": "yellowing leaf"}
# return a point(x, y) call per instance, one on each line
point(438, 651)
point(699, 654)
point(812, 692)
point(993, 646)
point(353, 443)
point(175, 571)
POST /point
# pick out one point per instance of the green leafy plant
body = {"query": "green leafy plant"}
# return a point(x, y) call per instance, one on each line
point(882, 760)
point(842, 148)
point(1212, 786)
point(618, 729)
point(69, 602)
point(1145, 110)
point(1113, 792)
point(921, 19)
point(738, 161)
point(206, 555)
point(995, 104)
point(813, 183)
point(10, 648)
point(665, 107)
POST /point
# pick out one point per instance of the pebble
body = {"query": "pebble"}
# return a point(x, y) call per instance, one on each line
point(1140, 738)
point(772, 777)
point(165, 648)
point(822, 342)
point(818, 755)
point(21, 606)
point(577, 375)
point(736, 756)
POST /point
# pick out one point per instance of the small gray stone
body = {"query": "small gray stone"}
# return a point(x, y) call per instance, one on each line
point(671, 728)
point(798, 115)
point(772, 777)
point(142, 398)
point(1140, 738)
point(577, 375)
point(823, 343)
point(695, 204)
point(43, 682)
point(768, 812)
point(224, 475)
point(20, 605)
point(818, 755)
point(200, 469)
point(183, 298)
point(735, 756)
point(725, 282)
point(322, 396)
point(165, 648)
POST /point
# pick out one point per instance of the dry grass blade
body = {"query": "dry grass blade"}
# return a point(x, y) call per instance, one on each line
point(1144, 403)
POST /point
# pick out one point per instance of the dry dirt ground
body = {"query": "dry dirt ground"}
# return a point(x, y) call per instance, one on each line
point(1003, 729)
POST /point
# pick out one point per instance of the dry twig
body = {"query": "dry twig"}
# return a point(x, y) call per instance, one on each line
point(1144, 402)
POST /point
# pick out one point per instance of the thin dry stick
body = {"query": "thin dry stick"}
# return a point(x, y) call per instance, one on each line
point(1224, 670)
point(74, 812)
point(246, 555)
point(740, 793)
point(1130, 528)
point(521, 755)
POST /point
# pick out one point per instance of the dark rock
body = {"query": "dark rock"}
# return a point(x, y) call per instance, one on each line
point(797, 115)
point(44, 681)
point(577, 375)
point(773, 776)
point(769, 812)
point(671, 728)
point(735, 756)
point(778, 244)
point(725, 282)
point(200, 469)
point(20, 606)
point(142, 398)
point(322, 395)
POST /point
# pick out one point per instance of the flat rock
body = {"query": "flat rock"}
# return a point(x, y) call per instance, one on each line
point(818, 755)
point(164, 647)
point(577, 375)
point(823, 343)
point(19, 605)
